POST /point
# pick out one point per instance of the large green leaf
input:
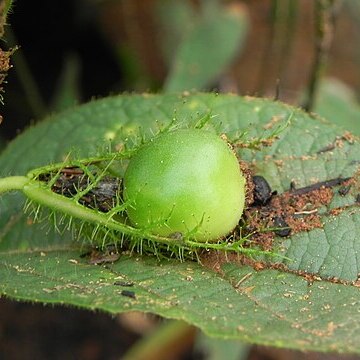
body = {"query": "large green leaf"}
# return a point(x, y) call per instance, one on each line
point(270, 307)
point(273, 307)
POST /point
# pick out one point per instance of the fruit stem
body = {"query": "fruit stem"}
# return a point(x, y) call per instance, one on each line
point(40, 194)
point(13, 183)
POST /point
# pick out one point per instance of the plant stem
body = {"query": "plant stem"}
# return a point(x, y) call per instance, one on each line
point(268, 53)
point(41, 195)
point(13, 183)
point(288, 32)
point(324, 33)
point(319, 185)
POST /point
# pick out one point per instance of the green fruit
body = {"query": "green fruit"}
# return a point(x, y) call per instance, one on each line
point(185, 182)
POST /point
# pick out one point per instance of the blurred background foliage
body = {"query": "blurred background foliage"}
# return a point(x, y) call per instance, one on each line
point(72, 51)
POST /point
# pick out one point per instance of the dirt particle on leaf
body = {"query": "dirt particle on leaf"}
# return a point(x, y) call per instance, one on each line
point(240, 328)
point(128, 293)
point(307, 157)
point(213, 260)
point(343, 191)
point(273, 121)
point(288, 295)
point(97, 256)
point(123, 283)
point(73, 261)
point(284, 229)
point(279, 163)
point(349, 137)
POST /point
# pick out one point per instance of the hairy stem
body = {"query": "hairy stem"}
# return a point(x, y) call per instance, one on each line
point(41, 195)
point(13, 183)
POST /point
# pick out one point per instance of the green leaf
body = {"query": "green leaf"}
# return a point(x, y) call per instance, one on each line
point(330, 252)
point(337, 103)
point(207, 50)
point(272, 307)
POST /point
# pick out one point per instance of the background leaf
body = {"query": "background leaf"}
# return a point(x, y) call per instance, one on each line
point(337, 103)
point(222, 349)
point(208, 49)
point(271, 307)
point(177, 18)
point(67, 91)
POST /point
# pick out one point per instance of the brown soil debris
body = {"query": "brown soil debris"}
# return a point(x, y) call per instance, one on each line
point(214, 260)
point(293, 211)
point(297, 208)
point(297, 212)
point(249, 191)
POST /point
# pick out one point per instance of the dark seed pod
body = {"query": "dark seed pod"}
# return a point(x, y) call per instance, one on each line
point(280, 222)
point(262, 190)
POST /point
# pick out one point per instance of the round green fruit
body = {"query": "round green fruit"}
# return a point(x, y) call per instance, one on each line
point(185, 183)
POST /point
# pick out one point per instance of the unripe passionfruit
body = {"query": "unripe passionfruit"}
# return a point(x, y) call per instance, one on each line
point(185, 182)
